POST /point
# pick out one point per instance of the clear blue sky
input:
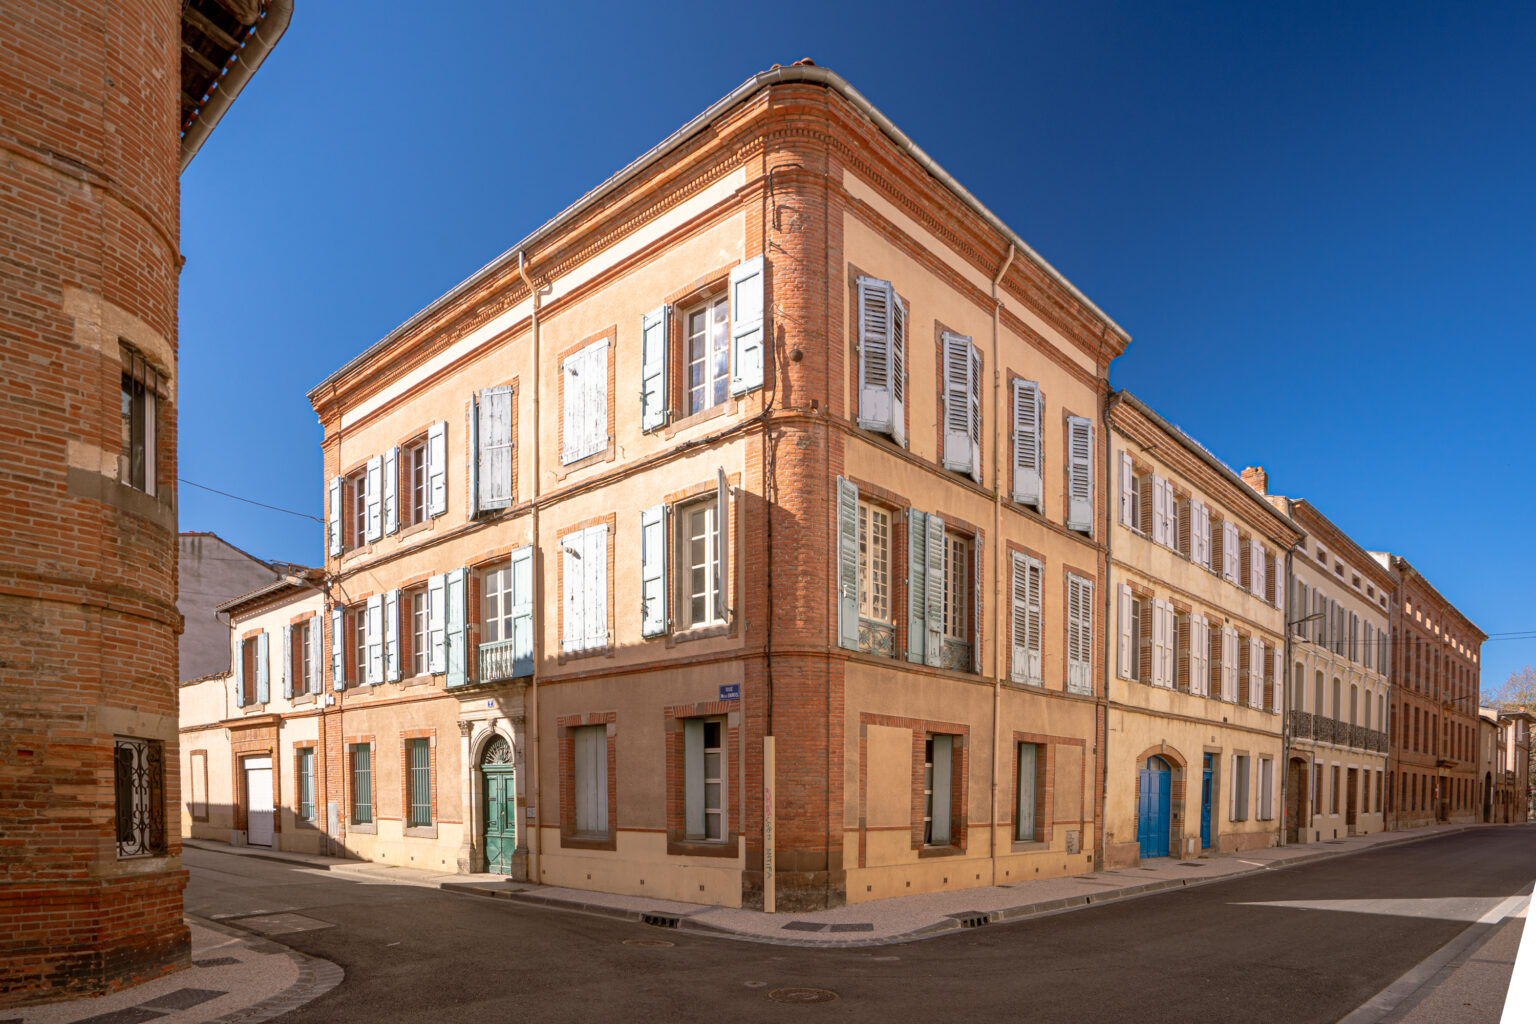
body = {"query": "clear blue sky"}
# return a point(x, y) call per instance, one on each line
point(1335, 207)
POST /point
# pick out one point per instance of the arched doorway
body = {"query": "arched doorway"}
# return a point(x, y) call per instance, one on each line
point(1296, 790)
point(498, 788)
point(1154, 794)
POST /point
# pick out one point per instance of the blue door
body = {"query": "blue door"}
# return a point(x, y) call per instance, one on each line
point(1153, 792)
point(1205, 805)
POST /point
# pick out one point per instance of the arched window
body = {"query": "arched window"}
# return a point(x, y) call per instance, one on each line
point(1299, 697)
point(498, 751)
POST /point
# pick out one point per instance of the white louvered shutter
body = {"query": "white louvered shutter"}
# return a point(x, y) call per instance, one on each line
point(596, 576)
point(1027, 482)
point(1278, 582)
point(917, 585)
point(747, 326)
point(1127, 492)
point(437, 468)
point(392, 636)
point(1170, 642)
point(316, 662)
point(391, 490)
point(654, 331)
point(493, 461)
point(937, 550)
point(653, 570)
point(847, 564)
point(263, 668)
point(437, 608)
point(286, 654)
point(1080, 474)
point(1229, 663)
point(1079, 635)
point(1255, 673)
point(338, 652)
point(1159, 512)
point(522, 610)
point(977, 604)
point(1127, 641)
point(1229, 550)
point(1255, 568)
point(957, 403)
point(974, 413)
point(333, 522)
point(1199, 656)
point(596, 408)
point(374, 644)
point(1203, 533)
point(456, 627)
point(722, 546)
point(573, 417)
point(875, 369)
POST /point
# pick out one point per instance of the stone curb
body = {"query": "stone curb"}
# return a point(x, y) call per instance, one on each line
point(316, 976)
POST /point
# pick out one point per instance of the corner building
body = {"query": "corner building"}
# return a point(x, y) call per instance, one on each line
point(1197, 613)
point(777, 433)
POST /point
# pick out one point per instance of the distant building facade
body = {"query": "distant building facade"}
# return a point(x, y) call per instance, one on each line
point(210, 571)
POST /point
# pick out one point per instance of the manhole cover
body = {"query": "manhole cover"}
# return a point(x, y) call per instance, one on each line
point(649, 943)
point(802, 996)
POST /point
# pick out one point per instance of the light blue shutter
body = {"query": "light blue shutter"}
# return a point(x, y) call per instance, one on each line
point(437, 468)
point(934, 652)
point(373, 488)
point(653, 570)
point(287, 659)
point(917, 584)
point(239, 673)
point(957, 403)
point(391, 490)
point(522, 611)
point(977, 604)
point(333, 523)
point(262, 667)
point(392, 636)
point(456, 629)
point(1027, 486)
point(436, 599)
point(943, 773)
point(1080, 474)
point(653, 367)
point(338, 655)
point(492, 459)
point(747, 326)
point(374, 641)
point(473, 462)
point(316, 671)
point(1024, 817)
point(693, 776)
point(847, 564)
point(875, 392)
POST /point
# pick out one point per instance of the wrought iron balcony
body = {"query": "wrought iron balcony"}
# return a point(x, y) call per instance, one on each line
point(1307, 726)
point(497, 662)
point(956, 655)
point(877, 638)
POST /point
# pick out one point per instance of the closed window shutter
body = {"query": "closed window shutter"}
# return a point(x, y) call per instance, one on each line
point(338, 651)
point(898, 370)
point(1027, 485)
point(1159, 512)
point(747, 326)
point(573, 407)
point(437, 600)
point(975, 413)
point(392, 636)
point(522, 611)
point(456, 628)
point(373, 488)
point(943, 776)
point(957, 402)
point(653, 570)
point(334, 522)
point(1035, 668)
point(597, 397)
point(917, 585)
point(654, 332)
point(722, 546)
point(1229, 550)
point(1079, 635)
point(1019, 607)
point(391, 490)
point(1127, 491)
point(262, 668)
point(375, 640)
point(574, 633)
point(315, 660)
point(1024, 818)
point(1232, 811)
point(437, 468)
point(596, 573)
point(875, 392)
point(239, 661)
point(1199, 656)
point(1080, 474)
point(847, 564)
point(493, 465)
point(693, 776)
point(977, 605)
point(286, 654)
point(936, 549)
point(1126, 639)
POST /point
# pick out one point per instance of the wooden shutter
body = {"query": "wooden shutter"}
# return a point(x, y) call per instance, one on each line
point(974, 409)
point(373, 490)
point(1159, 512)
point(847, 564)
point(943, 776)
point(521, 600)
point(286, 653)
point(391, 490)
point(573, 418)
point(338, 651)
point(1080, 474)
point(978, 603)
point(456, 628)
point(437, 600)
point(876, 404)
point(693, 777)
point(239, 672)
point(957, 402)
point(1027, 585)
point(263, 667)
point(1035, 642)
point(917, 585)
point(573, 634)
point(898, 370)
point(937, 551)
point(653, 570)
point(591, 754)
point(493, 457)
point(747, 326)
point(722, 546)
point(315, 660)
point(1199, 656)
point(1128, 510)
point(374, 642)
point(392, 636)
point(1027, 482)
point(1126, 647)
point(595, 572)
point(437, 468)
point(333, 522)
point(1079, 634)
point(596, 408)
point(654, 334)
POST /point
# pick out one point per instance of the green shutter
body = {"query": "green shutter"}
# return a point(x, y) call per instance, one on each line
point(917, 584)
point(847, 564)
point(456, 629)
point(653, 570)
point(522, 611)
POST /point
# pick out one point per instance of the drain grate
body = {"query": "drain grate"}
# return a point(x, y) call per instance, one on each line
point(660, 920)
point(802, 996)
point(972, 918)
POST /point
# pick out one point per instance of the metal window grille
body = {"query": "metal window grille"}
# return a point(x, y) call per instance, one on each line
point(307, 784)
point(421, 783)
point(362, 785)
point(139, 781)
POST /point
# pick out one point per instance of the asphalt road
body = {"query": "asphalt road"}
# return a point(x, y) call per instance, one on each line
point(1219, 952)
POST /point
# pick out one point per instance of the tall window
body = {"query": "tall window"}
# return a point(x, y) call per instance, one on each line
point(957, 588)
point(590, 743)
point(874, 562)
point(496, 605)
point(709, 354)
point(141, 384)
point(420, 753)
point(413, 470)
point(357, 490)
point(419, 641)
point(703, 778)
point(306, 786)
point(138, 776)
point(249, 669)
point(359, 619)
point(698, 548)
point(938, 776)
point(300, 666)
point(362, 784)
point(1240, 787)
point(1026, 816)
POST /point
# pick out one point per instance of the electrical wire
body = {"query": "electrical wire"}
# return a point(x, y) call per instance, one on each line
point(248, 501)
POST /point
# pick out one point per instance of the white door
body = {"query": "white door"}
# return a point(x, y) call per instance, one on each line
point(258, 801)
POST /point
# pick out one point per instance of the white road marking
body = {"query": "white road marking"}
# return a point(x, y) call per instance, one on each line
point(1447, 908)
point(1520, 1001)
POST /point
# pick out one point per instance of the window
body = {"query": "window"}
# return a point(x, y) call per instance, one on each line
point(1079, 634)
point(865, 613)
point(938, 781)
point(305, 770)
point(1240, 786)
point(413, 482)
point(704, 775)
point(301, 657)
point(874, 562)
point(882, 359)
point(1333, 792)
point(419, 782)
point(1266, 788)
point(1026, 815)
point(1027, 665)
point(496, 605)
point(493, 445)
point(1028, 488)
point(362, 783)
point(251, 679)
point(585, 584)
point(139, 463)
point(961, 417)
point(138, 777)
point(420, 642)
point(591, 779)
point(707, 355)
point(358, 617)
point(698, 581)
point(957, 589)
point(584, 397)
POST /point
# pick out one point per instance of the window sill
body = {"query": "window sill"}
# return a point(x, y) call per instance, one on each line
point(365, 829)
point(424, 679)
point(702, 847)
point(714, 629)
point(951, 850)
point(588, 842)
point(254, 709)
point(302, 699)
point(728, 407)
point(425, 526)
point(1029, 846)
point(420, 832)
point(596, 458)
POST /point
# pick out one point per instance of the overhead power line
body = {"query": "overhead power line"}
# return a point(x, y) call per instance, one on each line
point(248, 501)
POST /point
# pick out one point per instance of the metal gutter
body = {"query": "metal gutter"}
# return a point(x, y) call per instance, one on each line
point(806, 73)
point(274, 22)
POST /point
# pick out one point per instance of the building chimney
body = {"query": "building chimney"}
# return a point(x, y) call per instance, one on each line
point(1255, 477)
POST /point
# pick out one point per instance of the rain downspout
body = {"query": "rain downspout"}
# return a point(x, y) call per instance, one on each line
point(997, 549)
point(531, 788)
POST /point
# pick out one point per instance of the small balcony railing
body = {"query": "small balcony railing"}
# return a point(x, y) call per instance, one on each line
point(497, 662)
point(877, 638)
point(956, 654)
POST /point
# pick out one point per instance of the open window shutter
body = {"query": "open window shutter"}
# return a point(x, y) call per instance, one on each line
point(522, 611)
point(977, 605)
point(315, 660)
point(875, 404)
point(437, 468)
point(693, 775)
point(1229, 684)
point(1277, 582)
point(333, 523)
point(917, 585)
point(1080, 474)
point(1156, 668)
point(1255, 673)
point(653, 367)
point(1202, 529)
point(1199, 651)
point(472, 464)
point(847, 564)
point(1170, 642)
point(338, 651)
point(957, 402)
point(1034, 670)
point(1127, 640)
point(898, 370)
point(936, 549)
point(1229, 549)
point(597, 397)
point(1159, 512)
point(239, 660)
point(974, 408)
point(437, 601)
point(747, 326)
point(1026, 442)
point(374, 490)
point(943, 774)
point(1018, 666)
point(653, 570)
point(391, 490)
point(375, 640)
point(574, 631)
point(596, 573)
point(262, 668)
point(722, 546)
point(392, 636)
point(456, 628)
point(494, 469)
point(286, 654)
point(1127, 494)
point(573, 407)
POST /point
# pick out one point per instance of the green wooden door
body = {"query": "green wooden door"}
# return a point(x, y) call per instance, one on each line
point(500, 818)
